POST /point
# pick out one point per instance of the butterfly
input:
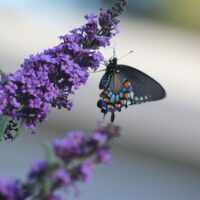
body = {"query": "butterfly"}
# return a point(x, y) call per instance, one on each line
point(123, 85)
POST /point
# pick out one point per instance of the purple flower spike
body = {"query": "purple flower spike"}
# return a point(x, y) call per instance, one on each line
point(69, 161)
point(47, 79)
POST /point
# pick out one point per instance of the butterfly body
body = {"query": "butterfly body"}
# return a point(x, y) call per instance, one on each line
point(123, 85)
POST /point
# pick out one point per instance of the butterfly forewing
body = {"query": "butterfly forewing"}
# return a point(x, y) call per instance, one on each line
point(105, 81)
point(145, 88)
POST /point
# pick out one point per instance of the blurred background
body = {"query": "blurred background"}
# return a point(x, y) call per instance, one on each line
point(158, 156)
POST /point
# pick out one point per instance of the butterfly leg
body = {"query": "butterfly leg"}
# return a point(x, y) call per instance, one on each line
point(112, 117)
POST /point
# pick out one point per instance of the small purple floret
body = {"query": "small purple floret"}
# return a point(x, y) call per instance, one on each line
point(37, 170)
point(86, 172)
point(61, 178)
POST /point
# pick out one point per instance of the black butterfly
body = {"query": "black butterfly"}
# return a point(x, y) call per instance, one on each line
point(123, 85)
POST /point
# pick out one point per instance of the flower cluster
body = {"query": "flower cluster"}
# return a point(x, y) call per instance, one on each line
point(69, 161)
point(10, 190)
point(48, 79)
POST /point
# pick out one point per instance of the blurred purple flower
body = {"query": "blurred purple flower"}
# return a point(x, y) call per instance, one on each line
point(72, 145)
point(54, 197)
point(10, 190)
point(61, 171)
point(61, 178)
point(86, 171)
point(38, 169)
point(100, 138)
point(103, 156)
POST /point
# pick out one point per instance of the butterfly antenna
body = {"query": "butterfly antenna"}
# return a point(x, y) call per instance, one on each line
point(103, 70)
point(112, 117)
point(125, 55)
point(114, 52)
point(104, 62)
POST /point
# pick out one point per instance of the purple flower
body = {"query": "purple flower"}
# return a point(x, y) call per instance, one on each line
point(103, 156)
point(54, 197)
point(3, 101)
point(37, 170)
point(76, 139)
point(48, 79)
point(76, 155)
point(71, 146)
point(10, 190)
point(86, 172)
point(99, 138)
point(71, 161)
point(61, 178)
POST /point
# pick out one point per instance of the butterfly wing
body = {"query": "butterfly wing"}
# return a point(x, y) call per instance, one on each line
point(144, 87)
point(127, 86)
point(105, 81)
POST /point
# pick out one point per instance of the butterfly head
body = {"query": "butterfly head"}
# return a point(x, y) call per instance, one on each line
point(112, 64)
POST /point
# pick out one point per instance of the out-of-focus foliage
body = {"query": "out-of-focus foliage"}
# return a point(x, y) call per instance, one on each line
point(184, 12)
point(178, 12)
point(3, 124)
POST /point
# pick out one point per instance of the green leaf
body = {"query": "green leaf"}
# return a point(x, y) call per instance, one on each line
point(4, 120)
point(52, 160)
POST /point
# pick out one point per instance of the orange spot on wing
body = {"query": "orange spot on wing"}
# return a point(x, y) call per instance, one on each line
point(126, 95)
point(117, 105)
point(111, 106)
point(123, 101)
point(127, 84)
point(107, 100)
